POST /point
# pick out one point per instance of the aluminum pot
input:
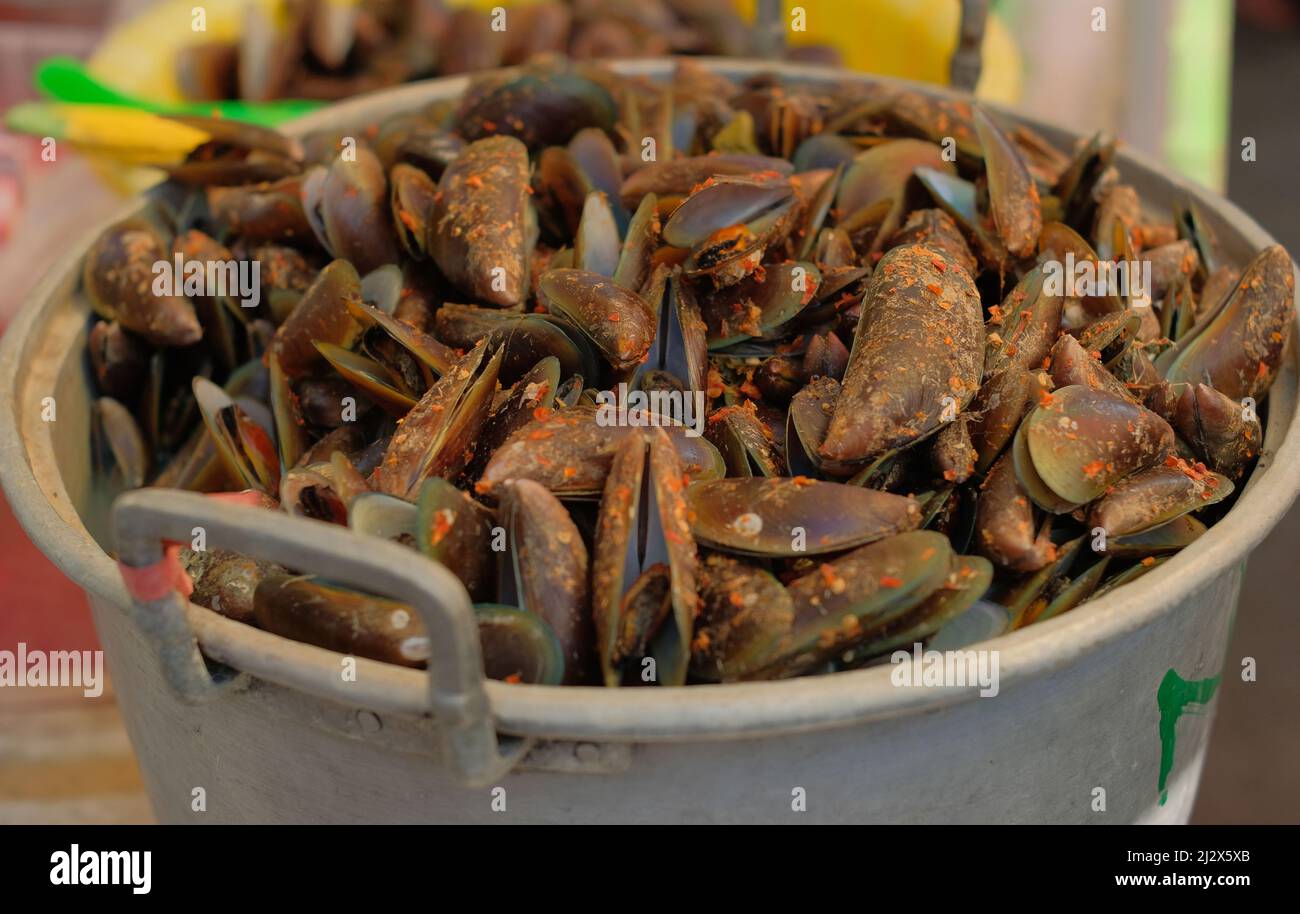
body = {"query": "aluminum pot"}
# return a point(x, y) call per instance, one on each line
point(270, 730)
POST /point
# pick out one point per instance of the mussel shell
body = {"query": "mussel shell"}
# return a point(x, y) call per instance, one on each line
point(618, 321)
point(919, 348)
point(321, 316)
point(966, 583)
point(454, 529)
point(1013, 195)
point(1238, 351)
point(119, 279)
point(356, 213)
point(119, 436)
point(544, 569)
point(518, 646)
point(436, 437)
point(1155, 496)
point(744, 613)
point(541, 109)
point(1082, 441)
point(780, 516)
point(838, 605)
point(478, 230)
point(569, 452)
point(315, 612)
point(247, 449)
point(1030, 321)
point(1006, 528)
point(676, 177)
point(723, 202)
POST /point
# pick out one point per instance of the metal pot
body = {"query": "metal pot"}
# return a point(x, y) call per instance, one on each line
point(1080, 730)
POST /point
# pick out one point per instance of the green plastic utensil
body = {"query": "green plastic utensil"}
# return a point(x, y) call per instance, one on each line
point(65, 79)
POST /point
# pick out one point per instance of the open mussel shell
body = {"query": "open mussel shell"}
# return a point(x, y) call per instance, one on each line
point(384, 516)
point(317, 612)
point(639, 244)
point(1028, 322)
point(544, 569)
point(436, 437)
point(411, 201)
point(789, 517)
point(532, 395)
point(721, 203)
point(1078, 184)
point(680, 346)
point(245, 446)
point(379, 383)
point(1079, 589)
point(1238, 350)
point(760, 307)
point(736, 251)
point(452, 528)
point(324, 490)
point(1111, 335)
point(884, 172)
point(1024, 597)
point(643, 523)
point(518, 646)
point(839, 604)
point(745, 442)
point(596, 246)
point(424, 348)
point(523, 339)
point(675, 178)
point(321, 316)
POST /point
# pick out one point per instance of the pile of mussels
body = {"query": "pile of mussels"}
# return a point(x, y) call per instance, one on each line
point(691, 382)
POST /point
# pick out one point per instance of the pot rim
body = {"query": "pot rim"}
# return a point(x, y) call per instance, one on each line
point(33, 485)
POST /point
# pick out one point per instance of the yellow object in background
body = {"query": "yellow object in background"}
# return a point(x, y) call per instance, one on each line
point(138, 57)
point(914, 39)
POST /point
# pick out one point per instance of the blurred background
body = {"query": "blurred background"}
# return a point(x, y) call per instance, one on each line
point(1182, 80)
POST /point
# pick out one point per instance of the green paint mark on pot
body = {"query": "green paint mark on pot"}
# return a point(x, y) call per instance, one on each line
point(1173, 697)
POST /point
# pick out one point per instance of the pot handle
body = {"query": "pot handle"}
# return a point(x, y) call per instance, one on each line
point(145, 520)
